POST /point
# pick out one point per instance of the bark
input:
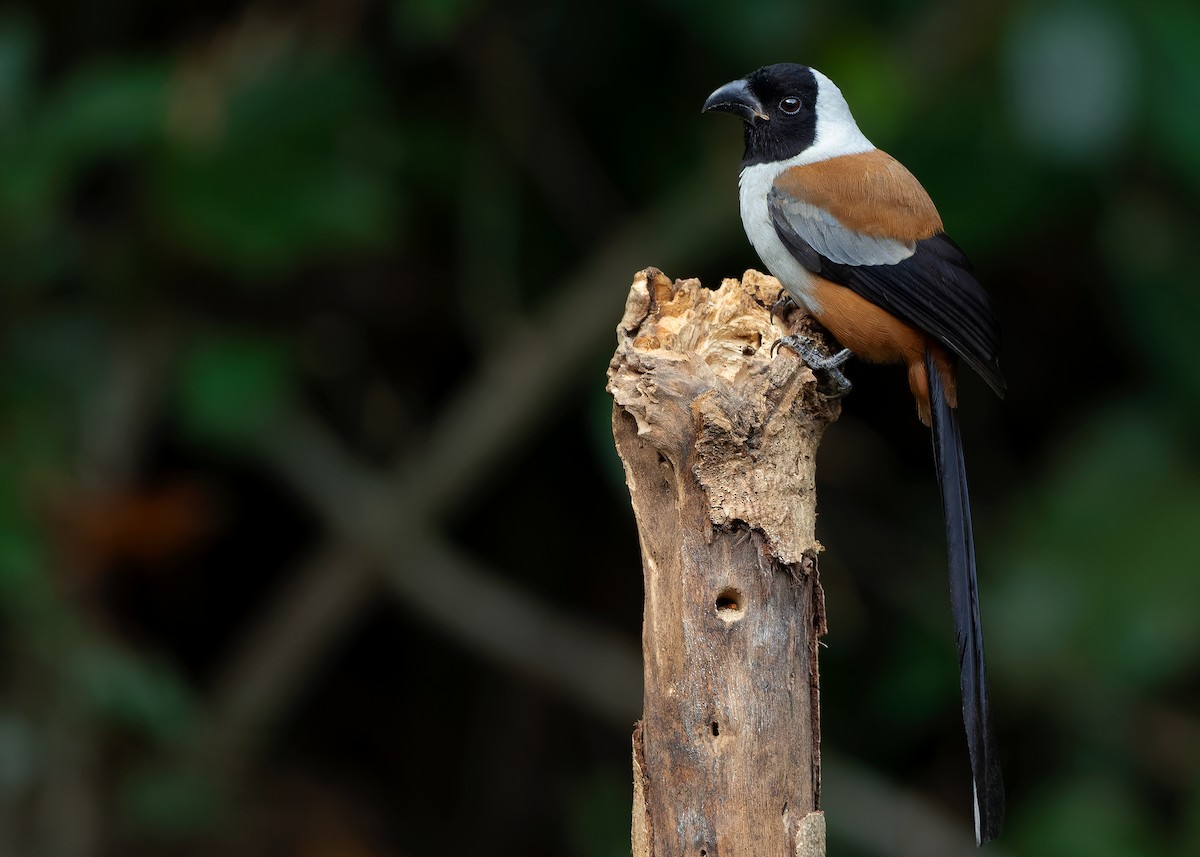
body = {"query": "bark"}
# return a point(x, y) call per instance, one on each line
point(718, 439)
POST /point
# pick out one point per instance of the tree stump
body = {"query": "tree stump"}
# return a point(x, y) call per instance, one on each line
point(718, 439)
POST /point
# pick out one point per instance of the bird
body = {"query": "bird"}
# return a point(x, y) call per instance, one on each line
point(856, 241)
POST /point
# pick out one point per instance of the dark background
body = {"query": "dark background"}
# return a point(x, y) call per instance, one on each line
point(312, 537)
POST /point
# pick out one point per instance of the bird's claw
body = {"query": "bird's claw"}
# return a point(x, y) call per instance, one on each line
point(781, 304)
point(830, 364)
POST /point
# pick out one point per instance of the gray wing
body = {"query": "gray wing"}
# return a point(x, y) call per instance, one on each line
point(825, 234)
point(928, 284)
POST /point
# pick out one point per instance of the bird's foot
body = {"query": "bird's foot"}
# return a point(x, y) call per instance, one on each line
point(830, 364)
point(782, 304)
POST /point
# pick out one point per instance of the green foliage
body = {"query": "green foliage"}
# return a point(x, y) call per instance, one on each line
point(1149, 244)
point(1173, 34)
point(19, 753)
point(1113, 514)
point(232, 386)
point(883, 97)
point(1072, 81)
point(22, 561)
point(596, 816)
point(429, 23)
point(110, 111)
point(292, 168)
point(130, 690)
point(1088, 817)
point(170, 802)
point(18, 53)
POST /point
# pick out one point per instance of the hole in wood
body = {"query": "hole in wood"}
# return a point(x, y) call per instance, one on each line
point(729, 605)
point(716, 729)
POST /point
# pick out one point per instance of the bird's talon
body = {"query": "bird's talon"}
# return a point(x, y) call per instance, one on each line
point(802, 345)
point(838, 385)
point(781, 304)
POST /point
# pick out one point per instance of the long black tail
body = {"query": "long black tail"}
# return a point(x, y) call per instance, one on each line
point(964, 600)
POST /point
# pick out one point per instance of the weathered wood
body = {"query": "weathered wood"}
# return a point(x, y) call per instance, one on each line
point(718, 439)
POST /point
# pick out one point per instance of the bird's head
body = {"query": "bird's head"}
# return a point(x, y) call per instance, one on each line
point(790, 110)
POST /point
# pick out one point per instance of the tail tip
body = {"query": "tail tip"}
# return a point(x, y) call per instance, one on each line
point(987, 824)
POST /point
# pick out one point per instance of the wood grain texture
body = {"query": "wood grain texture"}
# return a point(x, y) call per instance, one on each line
point(718, 440)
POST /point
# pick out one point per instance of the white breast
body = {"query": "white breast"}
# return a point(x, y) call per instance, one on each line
point(753, 187)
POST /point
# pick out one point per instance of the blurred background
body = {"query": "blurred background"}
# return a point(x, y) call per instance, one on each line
point(312, 537)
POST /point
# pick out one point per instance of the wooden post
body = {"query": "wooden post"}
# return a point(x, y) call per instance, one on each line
point(718, 439)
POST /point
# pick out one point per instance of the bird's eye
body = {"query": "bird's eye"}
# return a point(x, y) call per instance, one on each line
point(790, 105)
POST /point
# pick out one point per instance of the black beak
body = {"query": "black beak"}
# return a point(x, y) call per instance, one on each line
point(736, 98)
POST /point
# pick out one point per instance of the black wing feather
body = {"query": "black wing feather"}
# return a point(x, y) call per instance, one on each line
point(934, 290)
